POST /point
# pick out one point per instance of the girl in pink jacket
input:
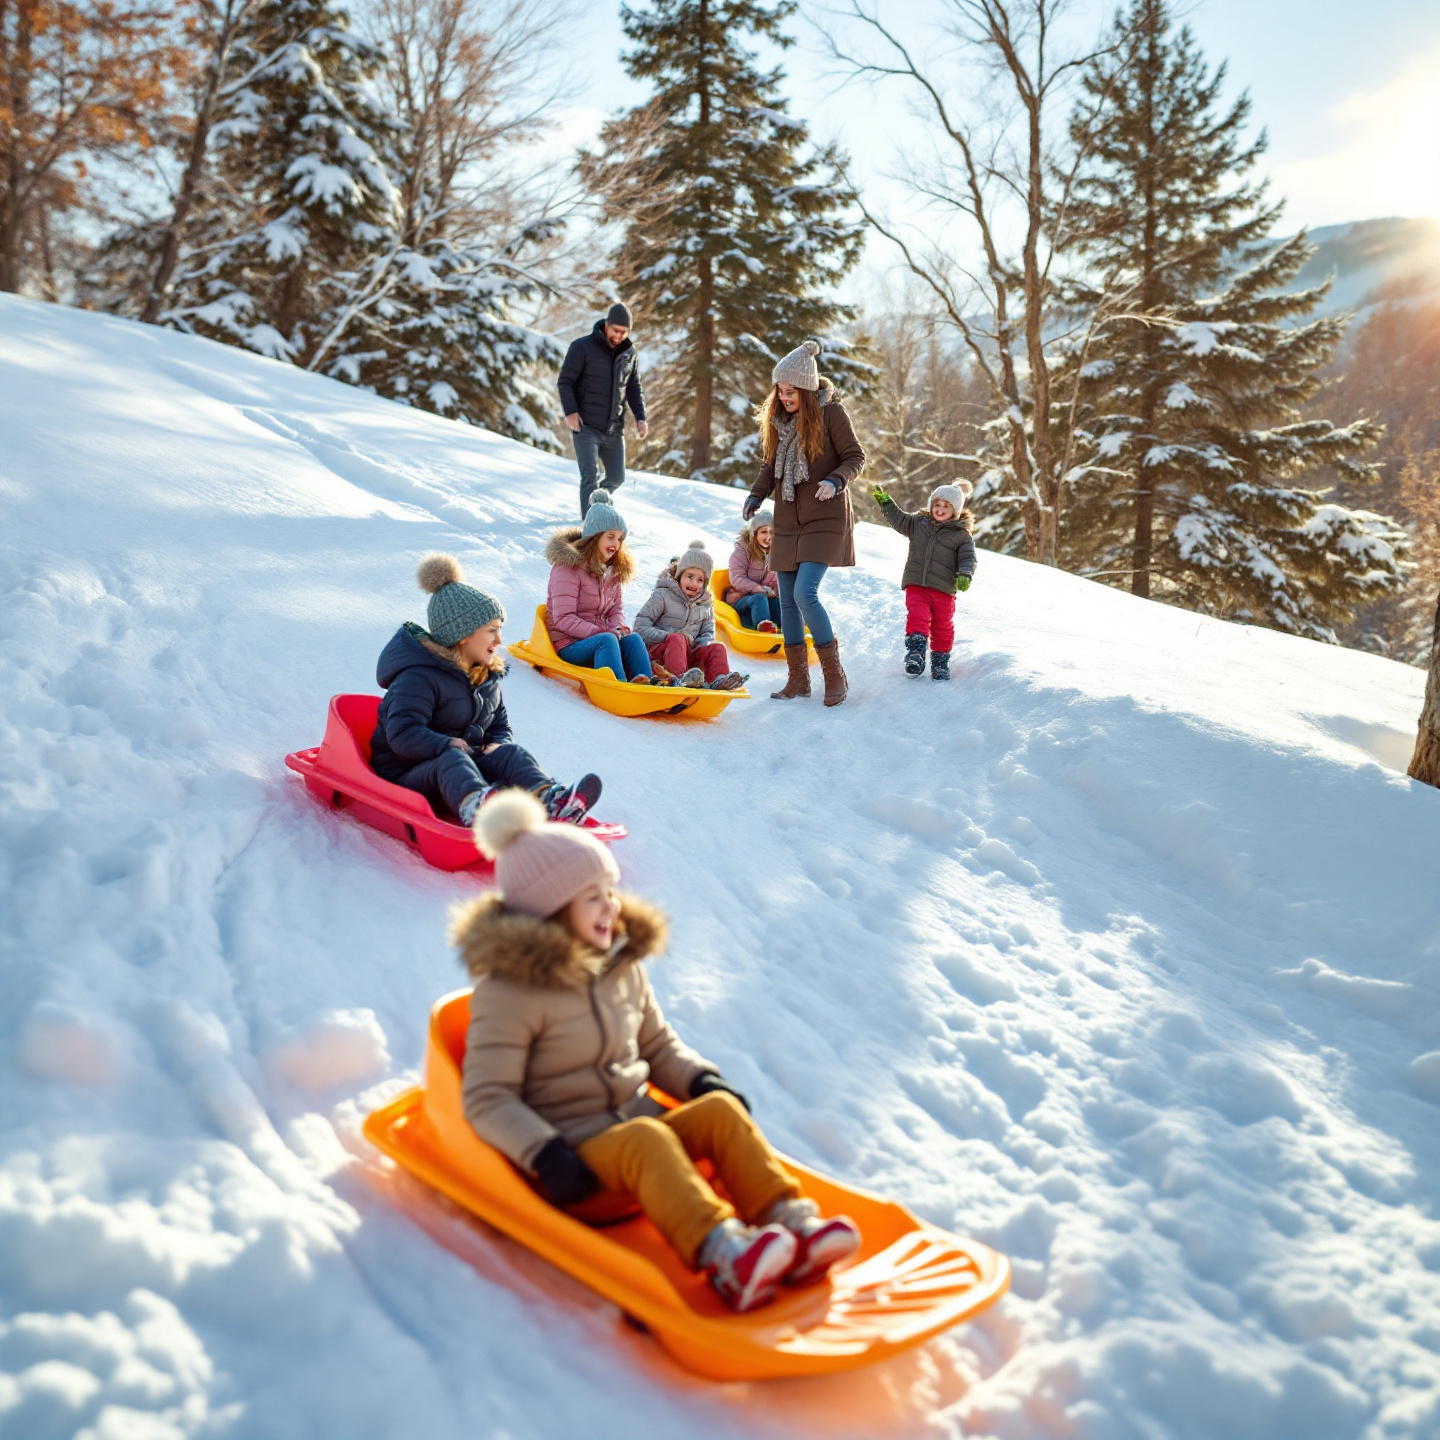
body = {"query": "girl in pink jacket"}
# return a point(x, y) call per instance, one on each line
point(589, 565)
point(754, 589)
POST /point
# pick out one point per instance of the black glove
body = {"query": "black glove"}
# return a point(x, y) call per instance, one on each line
point(752, 504)
point(709, 1082)
point(564, 1177)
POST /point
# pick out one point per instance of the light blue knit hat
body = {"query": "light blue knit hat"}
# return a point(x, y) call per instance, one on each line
point(602, 516)
point(456, 609)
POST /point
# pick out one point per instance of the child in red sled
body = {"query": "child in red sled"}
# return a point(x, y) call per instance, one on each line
point(940, 564)
point(565, 1032)
point(677, 624)
point(754, 588)
point(442, 727)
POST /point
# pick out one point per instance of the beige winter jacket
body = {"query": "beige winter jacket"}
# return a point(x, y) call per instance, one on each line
point(563, 1039)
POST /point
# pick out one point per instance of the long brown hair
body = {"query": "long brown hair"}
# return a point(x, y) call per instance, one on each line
point(589, 552)
point(810, 417)
point(752, 545)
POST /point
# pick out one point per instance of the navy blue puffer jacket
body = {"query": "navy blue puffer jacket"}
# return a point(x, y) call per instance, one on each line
point(429, 701)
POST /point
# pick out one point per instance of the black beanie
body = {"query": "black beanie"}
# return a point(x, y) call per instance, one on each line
point(620, 315)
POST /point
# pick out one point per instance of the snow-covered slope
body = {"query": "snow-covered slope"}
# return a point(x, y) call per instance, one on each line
point(1122, 952)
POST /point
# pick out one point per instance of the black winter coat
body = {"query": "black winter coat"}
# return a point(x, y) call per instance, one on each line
point(938, 553)
point(429, 701)
point(596, 382)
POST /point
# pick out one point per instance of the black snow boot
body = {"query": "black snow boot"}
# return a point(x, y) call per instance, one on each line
point(915, 655)
point(939, 664)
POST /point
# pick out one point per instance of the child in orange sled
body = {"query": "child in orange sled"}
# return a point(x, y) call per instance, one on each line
point(565, 1032)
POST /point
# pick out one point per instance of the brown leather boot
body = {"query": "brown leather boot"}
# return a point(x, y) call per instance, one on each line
point(797, 657)
point(836, 685)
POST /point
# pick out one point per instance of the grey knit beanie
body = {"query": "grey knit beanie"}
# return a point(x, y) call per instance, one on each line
point(540, 867)
point(697, 557)
point(601, 516)
point(957, 493)
point(456, 610)
point(620, 315)
point(761, 518)
point(799, 367)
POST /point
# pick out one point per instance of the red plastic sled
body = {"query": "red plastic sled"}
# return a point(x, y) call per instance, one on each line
point(338, 774)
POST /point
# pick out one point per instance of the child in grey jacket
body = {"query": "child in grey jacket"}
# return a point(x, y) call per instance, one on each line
point(939, 566)
point(677, 624)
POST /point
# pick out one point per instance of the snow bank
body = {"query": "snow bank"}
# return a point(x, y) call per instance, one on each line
point(1122, 952)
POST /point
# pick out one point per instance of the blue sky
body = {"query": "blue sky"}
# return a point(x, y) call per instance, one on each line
point(1349, 94)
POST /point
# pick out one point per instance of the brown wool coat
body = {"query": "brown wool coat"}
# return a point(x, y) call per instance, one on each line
point(562, 1039)
point(811, 530)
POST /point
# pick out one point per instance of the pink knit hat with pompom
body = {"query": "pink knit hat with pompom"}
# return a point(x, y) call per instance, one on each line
point(540, 867)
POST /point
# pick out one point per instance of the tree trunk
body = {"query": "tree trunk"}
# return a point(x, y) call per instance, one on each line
point(1142, 550)
point(704, 340)
point(12, 202)
point(704, 370)
point(1425, 763)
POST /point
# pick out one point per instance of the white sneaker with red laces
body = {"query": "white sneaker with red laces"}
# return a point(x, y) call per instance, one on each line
point(820, 1244)
point(746, 1263)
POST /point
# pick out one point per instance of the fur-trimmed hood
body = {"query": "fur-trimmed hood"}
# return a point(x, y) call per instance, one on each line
point(543, 953)
point(562, 548)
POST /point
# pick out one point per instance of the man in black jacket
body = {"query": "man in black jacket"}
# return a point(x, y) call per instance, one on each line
point(600, 376)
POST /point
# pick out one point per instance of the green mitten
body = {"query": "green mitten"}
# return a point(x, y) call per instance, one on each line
point(881, 498)
point(962, 582)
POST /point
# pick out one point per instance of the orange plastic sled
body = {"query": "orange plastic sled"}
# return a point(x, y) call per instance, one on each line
point(909, 1282)
point(733, 632)
point(613, 694)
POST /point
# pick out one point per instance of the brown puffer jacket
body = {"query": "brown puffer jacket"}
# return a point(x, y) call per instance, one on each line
point(807, 529)
point(563, 1039)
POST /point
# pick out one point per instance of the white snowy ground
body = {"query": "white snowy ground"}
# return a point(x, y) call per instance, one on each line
point(1122, 952)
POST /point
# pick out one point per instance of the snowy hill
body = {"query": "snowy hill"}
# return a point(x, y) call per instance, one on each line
point(1121, 953)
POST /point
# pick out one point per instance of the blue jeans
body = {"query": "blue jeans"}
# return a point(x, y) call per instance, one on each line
point(592, 449)
point(627, 658)
point(800, 605)
point(752, 609)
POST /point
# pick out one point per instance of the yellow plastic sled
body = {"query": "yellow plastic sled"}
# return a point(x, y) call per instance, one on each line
point(619, 697)
point(733, 632)
point(909, 1282)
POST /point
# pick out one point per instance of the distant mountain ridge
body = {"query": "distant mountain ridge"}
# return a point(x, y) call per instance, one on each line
point(1365, 259)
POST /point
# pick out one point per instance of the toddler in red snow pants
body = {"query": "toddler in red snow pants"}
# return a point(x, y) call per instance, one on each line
point(677, 655)
point(930, 612)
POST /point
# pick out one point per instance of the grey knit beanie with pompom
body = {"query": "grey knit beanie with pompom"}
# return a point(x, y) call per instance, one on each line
point(799, 368)
point(540, 867)
point(697, 557)
point(456, 610)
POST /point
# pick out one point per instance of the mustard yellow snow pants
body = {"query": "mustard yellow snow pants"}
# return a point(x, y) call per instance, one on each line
point(653, 1160)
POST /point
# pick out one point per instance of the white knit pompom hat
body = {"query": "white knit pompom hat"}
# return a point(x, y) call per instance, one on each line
point(799, 368)
point(956, 493)
point(540, 867)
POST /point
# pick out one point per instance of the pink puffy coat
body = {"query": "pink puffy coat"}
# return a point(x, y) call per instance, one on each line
point(578, 603)
point(747, 576)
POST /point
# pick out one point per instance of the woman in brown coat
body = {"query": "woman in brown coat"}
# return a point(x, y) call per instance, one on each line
point(811, 454)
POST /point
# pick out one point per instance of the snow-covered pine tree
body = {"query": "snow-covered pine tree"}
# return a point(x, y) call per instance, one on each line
point(733, 226)
point(432, 326)
point(1191, 392)
point(302, 195)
